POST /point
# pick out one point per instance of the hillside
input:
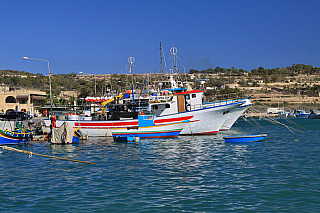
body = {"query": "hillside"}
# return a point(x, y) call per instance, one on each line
point(294, 87)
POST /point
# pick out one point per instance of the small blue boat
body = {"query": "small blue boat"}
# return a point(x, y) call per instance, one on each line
point(128, 139)
point(244, 138)
point(302, 113)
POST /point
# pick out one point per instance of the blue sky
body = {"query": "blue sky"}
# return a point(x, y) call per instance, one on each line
point(98, 36)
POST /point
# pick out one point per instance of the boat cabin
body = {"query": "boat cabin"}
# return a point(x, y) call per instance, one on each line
point(181, 102)
point(145, 120)
point(124, 111)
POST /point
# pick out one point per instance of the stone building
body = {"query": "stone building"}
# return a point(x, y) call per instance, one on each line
point(21, 99)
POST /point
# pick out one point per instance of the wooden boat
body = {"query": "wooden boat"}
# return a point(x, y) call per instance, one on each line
point(76, 137)
point(65, 134)
point(15, 137)
point(147, 129)
point(244, 138)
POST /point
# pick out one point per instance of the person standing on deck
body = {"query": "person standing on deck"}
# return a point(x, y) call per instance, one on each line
point(53, 120)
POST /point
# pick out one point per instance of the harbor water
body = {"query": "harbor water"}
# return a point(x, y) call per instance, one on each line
point(187, 174)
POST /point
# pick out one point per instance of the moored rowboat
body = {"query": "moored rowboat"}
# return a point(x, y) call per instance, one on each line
point(147, 129)
point(244, 138)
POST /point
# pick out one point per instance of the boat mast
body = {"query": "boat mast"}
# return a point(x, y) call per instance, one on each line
point(173, 52)
point(131, 60)
point(161, 58)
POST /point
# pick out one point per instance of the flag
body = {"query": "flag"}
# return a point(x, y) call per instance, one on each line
point(130, 70)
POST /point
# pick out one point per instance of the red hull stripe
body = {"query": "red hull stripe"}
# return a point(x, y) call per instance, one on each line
point(160, 121)
point(161, 136)
point(107, 124)
point(145, 133)
point(103, 125)
point(8, 136)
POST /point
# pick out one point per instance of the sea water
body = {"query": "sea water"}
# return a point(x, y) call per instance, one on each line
point(188, 174)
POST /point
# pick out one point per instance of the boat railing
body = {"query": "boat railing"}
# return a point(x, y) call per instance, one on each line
point(236, 95)
point(194, 107)
point(160, 98)
point(219, 103)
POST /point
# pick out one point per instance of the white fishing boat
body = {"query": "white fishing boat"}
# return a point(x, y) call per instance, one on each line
point(207, 119)
point(234, 114)
point(102, 128)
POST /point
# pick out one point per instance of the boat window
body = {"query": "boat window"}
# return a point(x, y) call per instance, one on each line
point(167, 105)
point(194, 95)
point(155, 106)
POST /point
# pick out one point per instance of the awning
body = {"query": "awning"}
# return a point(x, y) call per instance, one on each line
point(22, 97)
point(37, 97)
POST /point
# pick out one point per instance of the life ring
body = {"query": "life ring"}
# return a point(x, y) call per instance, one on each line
point(164, 92)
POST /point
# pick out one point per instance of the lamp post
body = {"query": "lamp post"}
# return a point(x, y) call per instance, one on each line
point(26, 58)
point(95, 81)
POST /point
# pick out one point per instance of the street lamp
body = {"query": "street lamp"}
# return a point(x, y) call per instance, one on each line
point(26, 58)
point(95, 81)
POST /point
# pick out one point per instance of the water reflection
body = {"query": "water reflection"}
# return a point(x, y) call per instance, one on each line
point(193, 174)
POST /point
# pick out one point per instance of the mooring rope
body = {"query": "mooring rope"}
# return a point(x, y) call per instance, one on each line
point(256, 122)
point(294, 123)
point(48, 156)
point(277, 123)
point(285, 118)
point(249, 122)
point(190, 130)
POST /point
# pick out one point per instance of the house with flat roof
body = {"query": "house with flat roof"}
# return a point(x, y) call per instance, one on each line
point(21, 100)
